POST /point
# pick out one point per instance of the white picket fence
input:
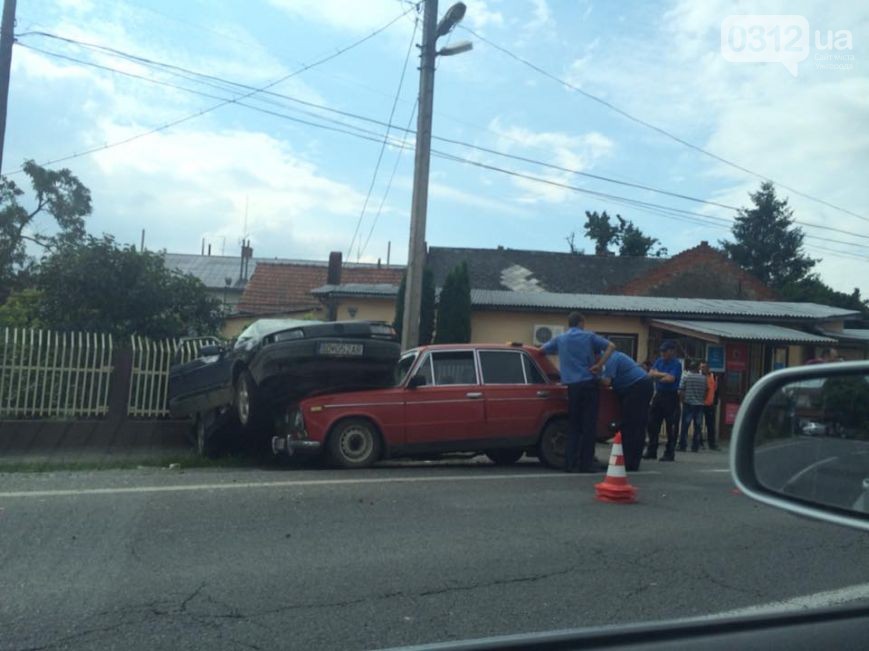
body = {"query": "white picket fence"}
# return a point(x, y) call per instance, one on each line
point(149, 377)
point(45, 374)
point(67, 375)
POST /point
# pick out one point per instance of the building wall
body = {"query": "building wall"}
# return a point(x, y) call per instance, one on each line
point(503, 326)
point(367, 309)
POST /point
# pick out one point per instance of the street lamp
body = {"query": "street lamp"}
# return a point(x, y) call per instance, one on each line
point(431, 31)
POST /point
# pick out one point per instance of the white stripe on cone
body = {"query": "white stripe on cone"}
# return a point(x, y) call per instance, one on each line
point(616, 471)
point(617, 450)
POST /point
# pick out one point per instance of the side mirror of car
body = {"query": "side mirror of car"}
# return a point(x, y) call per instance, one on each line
point(210, 350)
point(801, 442)
point(416, 381)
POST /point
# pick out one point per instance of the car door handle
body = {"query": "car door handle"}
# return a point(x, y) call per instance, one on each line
point(474, 394)
point(543, 394)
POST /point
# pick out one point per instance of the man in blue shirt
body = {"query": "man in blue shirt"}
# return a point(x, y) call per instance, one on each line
point(577, 357)
point(667, 372)
point(634, 388)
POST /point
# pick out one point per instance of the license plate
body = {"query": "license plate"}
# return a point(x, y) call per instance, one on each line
point(339, 349)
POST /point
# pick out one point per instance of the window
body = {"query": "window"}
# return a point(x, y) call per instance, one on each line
point(454, 367)
point(626, 343)
point(424, 370)
point(502, 367)
point(403, 367)
point(532, 373)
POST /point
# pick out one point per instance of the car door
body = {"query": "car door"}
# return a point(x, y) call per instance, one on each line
point(448, 409)
point(515, 393)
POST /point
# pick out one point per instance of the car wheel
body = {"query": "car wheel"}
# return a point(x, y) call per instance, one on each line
point(505, 457)
point(247, 407)
point(354, 443)
point(552, 444)
point(207, 445)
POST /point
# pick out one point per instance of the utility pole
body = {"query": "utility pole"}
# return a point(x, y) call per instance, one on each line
point(419, 203)
point(7, 36)
point(431, 30)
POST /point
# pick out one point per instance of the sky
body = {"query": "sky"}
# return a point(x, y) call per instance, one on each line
point(291, 168)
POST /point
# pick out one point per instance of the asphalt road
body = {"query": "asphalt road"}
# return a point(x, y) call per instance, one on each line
point(403, 554)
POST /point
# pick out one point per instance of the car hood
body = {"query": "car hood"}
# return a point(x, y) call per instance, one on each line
point(332, 396)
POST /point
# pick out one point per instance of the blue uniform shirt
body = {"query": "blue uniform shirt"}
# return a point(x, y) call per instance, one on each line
point(623, 371)
point(674, 368)
point(576, 350)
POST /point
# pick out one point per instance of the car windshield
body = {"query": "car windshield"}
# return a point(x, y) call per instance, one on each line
point(230, 229)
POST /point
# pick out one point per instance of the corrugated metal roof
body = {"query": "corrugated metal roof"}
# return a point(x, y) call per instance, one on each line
point(657, 305)
point(649, 305)
point(744, 331)
point(854, 334)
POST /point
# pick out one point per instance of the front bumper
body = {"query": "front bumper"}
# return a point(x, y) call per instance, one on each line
point(291, 447)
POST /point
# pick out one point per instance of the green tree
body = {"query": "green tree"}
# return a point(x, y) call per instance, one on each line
point(633, 242)
point(99, 286)
point(813, 290)
point(766, 242)
point(629, 239)
point(58, 194)
point(600, 231)
point(427, 307)
point(454, 308)
point(21, 310)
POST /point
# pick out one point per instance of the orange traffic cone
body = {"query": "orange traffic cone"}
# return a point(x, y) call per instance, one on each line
point(615, 486)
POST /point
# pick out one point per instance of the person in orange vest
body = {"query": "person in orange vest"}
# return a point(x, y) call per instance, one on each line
point(710, 404)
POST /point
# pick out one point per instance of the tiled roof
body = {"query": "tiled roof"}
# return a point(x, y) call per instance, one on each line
point(719, 330)
point(547, 271)
point(283, 288)
point(645, 305)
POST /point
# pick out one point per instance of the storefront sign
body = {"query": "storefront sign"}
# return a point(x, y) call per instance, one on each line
point(730, 410)
point(737, 357)
point(715, 358)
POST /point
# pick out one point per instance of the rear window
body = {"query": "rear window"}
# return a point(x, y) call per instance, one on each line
point(532, 373)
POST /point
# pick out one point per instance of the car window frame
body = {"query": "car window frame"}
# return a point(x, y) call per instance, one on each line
point(428, 358)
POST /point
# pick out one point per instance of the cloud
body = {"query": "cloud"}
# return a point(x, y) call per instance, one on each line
point(337, 14)
point(575, 152)
point(480, 16)
point(193, 183)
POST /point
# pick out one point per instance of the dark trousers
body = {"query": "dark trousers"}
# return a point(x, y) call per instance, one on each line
point(691, 414)
point(634, 405)
point(709, 416)
point(665, 407)
point(582, 399)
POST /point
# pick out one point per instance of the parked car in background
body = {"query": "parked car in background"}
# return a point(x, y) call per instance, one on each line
point(276, 362)
point(500, 400)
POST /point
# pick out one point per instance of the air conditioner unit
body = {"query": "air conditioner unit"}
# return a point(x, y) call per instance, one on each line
point(543, 333)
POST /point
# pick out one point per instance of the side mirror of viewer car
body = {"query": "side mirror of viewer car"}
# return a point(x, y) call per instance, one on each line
point(801, 442)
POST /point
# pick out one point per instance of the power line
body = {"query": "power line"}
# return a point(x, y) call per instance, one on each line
point(382, 145)
point(223, 103)
point(391, 178)
point(667, 211)
point(653, 127)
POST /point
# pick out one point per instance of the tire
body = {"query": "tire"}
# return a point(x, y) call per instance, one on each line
point(354, 443)
point(206, 436)
point(248, 407)
point(552, 442)
point(505, 457)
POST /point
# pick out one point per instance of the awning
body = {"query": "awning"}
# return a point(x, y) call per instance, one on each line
point(718, 331)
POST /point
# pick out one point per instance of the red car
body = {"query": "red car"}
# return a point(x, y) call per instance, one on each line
point(501, 400)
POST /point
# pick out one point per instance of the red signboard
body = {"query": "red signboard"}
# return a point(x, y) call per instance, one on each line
point(730, 409)
point(737, 357)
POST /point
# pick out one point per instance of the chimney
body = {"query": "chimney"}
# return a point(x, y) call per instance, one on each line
point(333, 277)
point(202, 252)
point(209, 249)
point(378, 263)
point(388, 251)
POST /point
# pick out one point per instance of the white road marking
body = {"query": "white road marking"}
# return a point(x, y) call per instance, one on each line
point(715, 470)
point(805, 602)
point(294, 483)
